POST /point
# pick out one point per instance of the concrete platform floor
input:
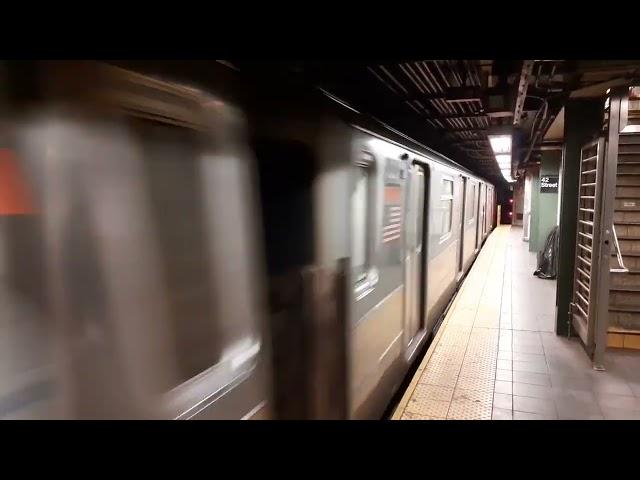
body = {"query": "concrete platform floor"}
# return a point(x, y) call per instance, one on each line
point(497, 356)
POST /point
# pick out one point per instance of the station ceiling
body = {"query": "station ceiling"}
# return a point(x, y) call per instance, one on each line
point(452, 105)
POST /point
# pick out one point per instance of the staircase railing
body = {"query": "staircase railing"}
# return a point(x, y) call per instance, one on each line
point(622, 268)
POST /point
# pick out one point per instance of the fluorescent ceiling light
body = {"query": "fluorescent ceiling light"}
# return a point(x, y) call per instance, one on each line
point(506, 173)
point(504, 161)
point(500, 143)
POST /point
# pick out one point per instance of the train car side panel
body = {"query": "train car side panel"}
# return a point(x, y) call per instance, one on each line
point(377, 271)
point(442, 242)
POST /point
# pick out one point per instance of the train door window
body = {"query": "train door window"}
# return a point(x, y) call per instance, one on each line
point(421, 208)
point(360, 223)
point(178, 218)
point(486, 211)
point(446, 206)
point(471, 202)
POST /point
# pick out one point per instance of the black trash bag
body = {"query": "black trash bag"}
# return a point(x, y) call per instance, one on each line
point(548, 257)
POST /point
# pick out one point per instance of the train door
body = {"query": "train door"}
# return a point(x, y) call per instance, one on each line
point(491, 207)
point(478, 217)
point(415, 257)
point(487, 215)
point(481, 214)
point(461, 228)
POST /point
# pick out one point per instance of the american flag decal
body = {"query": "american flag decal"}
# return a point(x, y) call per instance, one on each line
point(392, 224)
point(392, 220)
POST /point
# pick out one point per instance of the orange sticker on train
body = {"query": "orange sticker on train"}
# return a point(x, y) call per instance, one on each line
point(15, 198)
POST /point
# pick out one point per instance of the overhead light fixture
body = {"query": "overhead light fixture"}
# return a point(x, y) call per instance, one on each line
point(504, 161)
point(501, 138)
point(500, 144)
point(506, 173)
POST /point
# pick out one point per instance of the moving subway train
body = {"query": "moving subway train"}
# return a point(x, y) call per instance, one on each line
point(175, 254)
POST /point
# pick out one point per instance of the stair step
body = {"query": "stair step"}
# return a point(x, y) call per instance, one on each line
point(627, 237)
point(626, 223)
point(630, 272)
point(621, 185)
point(620, 174)
point(628, 162)
point(626, 288)
point(621, 330)
point(625, 308)
point(627, 254)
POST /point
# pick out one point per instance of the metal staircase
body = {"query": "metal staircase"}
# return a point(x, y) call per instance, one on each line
point(605, 310)
point(624, 290)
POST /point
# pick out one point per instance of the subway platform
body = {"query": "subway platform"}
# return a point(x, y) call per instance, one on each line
point(496, 355)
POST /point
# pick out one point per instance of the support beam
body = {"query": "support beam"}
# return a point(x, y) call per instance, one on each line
point(474, 142)
point(618, 96)
point(500, 114)
point(456, 115)
point(466, 129)
point(523, 85)
point(394, 117)
point(458, 94)
point(548, 146)
point(583, 120)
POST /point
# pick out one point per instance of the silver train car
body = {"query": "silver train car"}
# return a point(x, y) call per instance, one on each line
point(424, 227)
point(377, 232)
point(278, 256)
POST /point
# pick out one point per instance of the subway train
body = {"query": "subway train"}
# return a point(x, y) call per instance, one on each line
point(180, 252)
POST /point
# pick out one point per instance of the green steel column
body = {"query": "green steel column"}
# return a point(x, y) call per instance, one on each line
point(582, 122)
point(546, 203)
point(535, 212)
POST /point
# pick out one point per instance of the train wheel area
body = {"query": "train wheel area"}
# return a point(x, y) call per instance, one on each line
point(496, 355)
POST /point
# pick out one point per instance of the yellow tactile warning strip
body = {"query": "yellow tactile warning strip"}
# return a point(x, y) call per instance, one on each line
point(456, 378)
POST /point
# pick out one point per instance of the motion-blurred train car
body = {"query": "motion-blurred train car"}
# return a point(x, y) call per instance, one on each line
point(279, 255)
point(132, 289)
point(377, 231)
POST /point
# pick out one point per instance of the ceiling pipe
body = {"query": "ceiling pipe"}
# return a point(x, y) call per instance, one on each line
point(535, 138)
point(545, 106)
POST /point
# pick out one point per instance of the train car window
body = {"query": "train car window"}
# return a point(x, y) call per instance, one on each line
point(472, 199)
point(171, 159)
point(420, 203)
point(446, 206)
point(447, 187)
point(360, 215)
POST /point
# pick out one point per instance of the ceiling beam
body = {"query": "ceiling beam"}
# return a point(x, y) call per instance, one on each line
point(465, 129)
point(456, 115)
point(523, 85)
point(459, 94)
point(469, 140)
